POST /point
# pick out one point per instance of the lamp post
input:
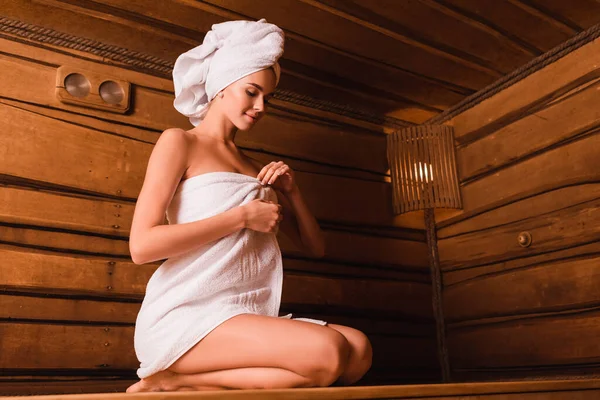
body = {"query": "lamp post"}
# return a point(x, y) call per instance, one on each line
point(423, 170)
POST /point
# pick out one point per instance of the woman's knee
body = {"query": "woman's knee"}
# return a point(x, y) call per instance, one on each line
point(330, 355)
point(361, 362)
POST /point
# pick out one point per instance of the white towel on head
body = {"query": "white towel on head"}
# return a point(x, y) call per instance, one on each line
point(230, 51)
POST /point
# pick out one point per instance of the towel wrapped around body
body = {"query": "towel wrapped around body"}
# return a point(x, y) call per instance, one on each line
point(190, 295)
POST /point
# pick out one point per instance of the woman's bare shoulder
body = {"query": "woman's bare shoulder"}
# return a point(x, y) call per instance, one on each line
point(255, 164)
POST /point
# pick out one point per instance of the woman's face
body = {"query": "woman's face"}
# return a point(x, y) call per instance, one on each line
point(244, 102)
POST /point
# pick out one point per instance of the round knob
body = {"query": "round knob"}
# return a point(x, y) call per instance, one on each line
point(524, 239)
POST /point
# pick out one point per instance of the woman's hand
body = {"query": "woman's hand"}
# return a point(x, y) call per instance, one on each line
point(262, 216)
point(279, 175)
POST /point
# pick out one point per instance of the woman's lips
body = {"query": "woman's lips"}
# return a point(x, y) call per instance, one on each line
point(252, 119)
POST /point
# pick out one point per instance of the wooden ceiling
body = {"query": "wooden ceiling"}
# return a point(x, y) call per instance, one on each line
point(407, 59)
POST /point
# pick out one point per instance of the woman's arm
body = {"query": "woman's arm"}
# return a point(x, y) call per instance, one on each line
point(299, 223)
point(149, 239)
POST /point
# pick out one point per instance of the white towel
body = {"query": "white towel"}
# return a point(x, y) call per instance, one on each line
point(230, 51)
point(191, 294)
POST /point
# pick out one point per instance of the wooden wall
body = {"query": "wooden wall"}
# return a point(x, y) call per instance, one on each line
point(69, 178)
point(529, 161)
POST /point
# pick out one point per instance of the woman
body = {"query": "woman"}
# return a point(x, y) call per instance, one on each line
point(209, 319)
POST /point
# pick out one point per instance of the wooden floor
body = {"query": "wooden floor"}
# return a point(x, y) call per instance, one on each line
point(530, 390)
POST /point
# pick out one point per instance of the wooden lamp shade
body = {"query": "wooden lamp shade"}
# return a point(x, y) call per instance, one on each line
point(423, 168)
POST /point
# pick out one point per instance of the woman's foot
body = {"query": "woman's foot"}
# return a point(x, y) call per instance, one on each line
point(163, 381)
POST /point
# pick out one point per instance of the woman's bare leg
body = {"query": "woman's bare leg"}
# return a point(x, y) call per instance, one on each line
point(241, 378)
point(361, 354)
point(286, 353)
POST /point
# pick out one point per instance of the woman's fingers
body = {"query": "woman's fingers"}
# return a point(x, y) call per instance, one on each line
point(269, 171)
point(264, 170)
point(280, 171)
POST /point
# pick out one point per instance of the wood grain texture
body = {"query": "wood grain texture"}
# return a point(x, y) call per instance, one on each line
point(42, 307)
point(60, 274)
point(512, 22)
point(359, 250)
point(557, 230)
point(50, 55)
point(528, 161)
point(459, 275)
point(560, 285)
point(570, 164)
point(447, 31)
point(539, 87)
point(536, 341)
point(183, 25)
point(520, 210)
point(585, 389)
point(560, 122)
point(578, 14)
point(34, 83)
point(109, 165)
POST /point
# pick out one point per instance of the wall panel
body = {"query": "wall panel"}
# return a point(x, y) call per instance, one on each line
point(528, 162)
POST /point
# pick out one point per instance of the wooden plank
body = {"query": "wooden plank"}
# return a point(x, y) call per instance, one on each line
point(66, 346)
point(367, 251)
point(50, 56)
point(95, 162)
point(506, 19)
point(528, 342)
point(526, 373)
point(344, 246)
point(315, 141)
point(180, 22)
point(352, 38)
point(91, 24)
point(349, 270)
point(573, 116)
point(27, 307)
point(381, 297)
point(584, 389)
point(111, 347)
point(536, 206)
point(573, 163)
point(350, 96)
point(149, 136)
point(72, 385)
point(301, 47)
point(556, 286)
point(62, 241)
point(32, 82)
point(459, 275)
point(64, 211)
point(534, 89)
point(40, 306)
point(562, 229)
point(453, 35)
point(131, 156)
point(98, 163)
point(581, 13)
point(46, 273)
point(556, 21)
point(35, 82)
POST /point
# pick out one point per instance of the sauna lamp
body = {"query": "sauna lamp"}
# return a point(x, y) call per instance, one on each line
point(423, 168)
